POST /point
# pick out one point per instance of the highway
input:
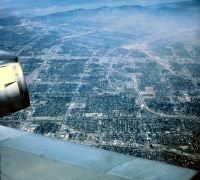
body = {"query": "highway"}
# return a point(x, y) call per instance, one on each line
point(143, 104)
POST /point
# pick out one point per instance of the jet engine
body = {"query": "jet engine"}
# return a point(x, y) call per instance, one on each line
point(14, 94)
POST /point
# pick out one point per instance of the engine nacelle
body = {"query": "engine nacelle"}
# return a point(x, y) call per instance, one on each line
point(13, 90)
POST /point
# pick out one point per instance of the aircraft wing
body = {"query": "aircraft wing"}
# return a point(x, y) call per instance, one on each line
point(30, 156)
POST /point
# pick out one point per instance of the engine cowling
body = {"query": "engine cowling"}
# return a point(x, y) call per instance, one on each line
point(14, 94)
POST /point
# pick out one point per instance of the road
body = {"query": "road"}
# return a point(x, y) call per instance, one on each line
point(143, 104)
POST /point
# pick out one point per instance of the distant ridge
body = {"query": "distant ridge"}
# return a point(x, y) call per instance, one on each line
point(173, 7)
point(96, 10)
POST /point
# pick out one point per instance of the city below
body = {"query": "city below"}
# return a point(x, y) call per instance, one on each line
point(114, 75)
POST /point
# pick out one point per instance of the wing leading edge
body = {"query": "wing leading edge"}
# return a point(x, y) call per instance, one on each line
point(30, 156)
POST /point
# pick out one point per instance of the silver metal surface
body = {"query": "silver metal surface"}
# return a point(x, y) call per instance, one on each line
point(13, 90)
point(30, 156)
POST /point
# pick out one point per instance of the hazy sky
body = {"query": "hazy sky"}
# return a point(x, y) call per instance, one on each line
point(43, 7)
